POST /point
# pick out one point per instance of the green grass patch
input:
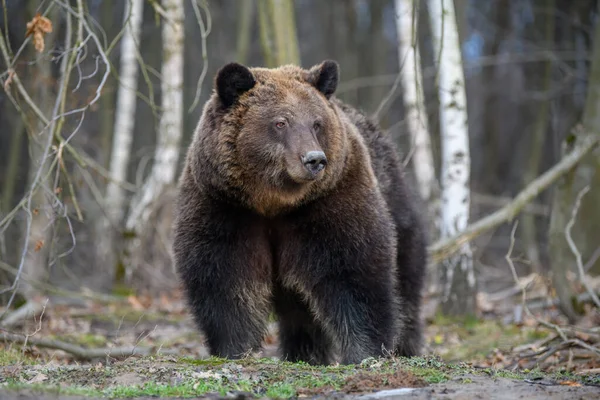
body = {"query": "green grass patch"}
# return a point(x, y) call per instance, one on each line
point(186, 377)
point(12, 356)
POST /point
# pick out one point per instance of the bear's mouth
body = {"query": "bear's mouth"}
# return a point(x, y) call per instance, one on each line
point(295, 181)
point(304, 176)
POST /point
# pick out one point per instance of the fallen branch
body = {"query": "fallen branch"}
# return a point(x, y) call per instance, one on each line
point(78, 351)
point(444, 248)
point(544, 302)
point(23, 312)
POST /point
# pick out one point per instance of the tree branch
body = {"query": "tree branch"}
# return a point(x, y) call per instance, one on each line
point(78, 351)
point(447, 247)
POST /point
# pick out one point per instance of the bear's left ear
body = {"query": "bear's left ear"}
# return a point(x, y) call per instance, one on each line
point(325, 77)
point(232, 81)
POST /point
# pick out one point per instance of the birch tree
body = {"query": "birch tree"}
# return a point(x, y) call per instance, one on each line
point(458, 276)
point(122, 135)
point(412, 84)
point(167, 151)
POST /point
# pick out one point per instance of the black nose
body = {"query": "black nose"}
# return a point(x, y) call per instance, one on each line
point(314, 161)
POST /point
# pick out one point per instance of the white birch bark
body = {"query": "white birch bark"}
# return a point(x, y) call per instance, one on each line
point(125, 111)
point(412, 83)
point(458, 278)
point(167, 151)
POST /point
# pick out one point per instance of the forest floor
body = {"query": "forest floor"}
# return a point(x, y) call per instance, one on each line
point(149, 348)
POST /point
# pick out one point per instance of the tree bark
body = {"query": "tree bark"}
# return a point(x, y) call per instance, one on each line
point(458, 275)
point(245, 19)
point(414, 98)
point(278, 32)
point(537, 144)
point(109, 226)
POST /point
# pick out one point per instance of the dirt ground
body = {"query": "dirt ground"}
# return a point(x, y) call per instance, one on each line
point(466, 360)
point(460, 387)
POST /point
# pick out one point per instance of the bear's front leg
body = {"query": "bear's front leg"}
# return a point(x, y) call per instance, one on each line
point(224, 264)
point(343, 262)
point(358, 312)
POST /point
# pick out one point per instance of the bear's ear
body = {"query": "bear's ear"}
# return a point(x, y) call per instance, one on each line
point(325, 77)
point(232, 81)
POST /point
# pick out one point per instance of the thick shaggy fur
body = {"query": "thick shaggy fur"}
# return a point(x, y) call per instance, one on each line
point(340, 256)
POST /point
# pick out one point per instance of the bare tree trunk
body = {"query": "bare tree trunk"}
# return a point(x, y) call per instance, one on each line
point(278, 32)
point(458, 277)
point(414, 98)
point(539, 134)
point(166, 156)
point(12, 168)
point(245, 18)
point(587, 224)
point(122, 138)
point(35, 262)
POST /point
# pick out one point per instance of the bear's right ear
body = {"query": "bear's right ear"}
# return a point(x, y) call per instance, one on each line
point(232, 81)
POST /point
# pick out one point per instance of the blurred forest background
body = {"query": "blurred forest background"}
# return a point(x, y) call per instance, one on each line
point(97, 110)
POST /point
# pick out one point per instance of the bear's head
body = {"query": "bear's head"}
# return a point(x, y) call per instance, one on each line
point(273, 136)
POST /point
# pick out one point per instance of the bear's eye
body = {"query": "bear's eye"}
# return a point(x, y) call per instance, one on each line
point(317, 126)
point(280, 124)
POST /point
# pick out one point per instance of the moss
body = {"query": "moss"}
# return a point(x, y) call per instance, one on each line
point(207, 362)
point(84, 339)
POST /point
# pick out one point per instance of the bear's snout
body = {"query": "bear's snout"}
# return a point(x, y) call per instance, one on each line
point(314, 161)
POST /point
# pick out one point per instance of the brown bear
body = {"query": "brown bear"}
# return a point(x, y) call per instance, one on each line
point(293, 201)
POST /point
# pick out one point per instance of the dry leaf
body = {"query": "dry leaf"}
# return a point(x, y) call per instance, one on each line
point(37, 27)
point(570, 383)
point(58, 190)
point(35, 211)
point(38, 245)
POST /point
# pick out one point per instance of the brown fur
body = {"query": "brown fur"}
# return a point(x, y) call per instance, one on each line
point(340, 253)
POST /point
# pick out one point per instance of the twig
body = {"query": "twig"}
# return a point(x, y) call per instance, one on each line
point(595, 256)
point(38, 327)
point(204, 32)
point(508, 259)
point(561, 346)
point(566, 342)
point(78, 351)
point(574, 250)
point(446, 247)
